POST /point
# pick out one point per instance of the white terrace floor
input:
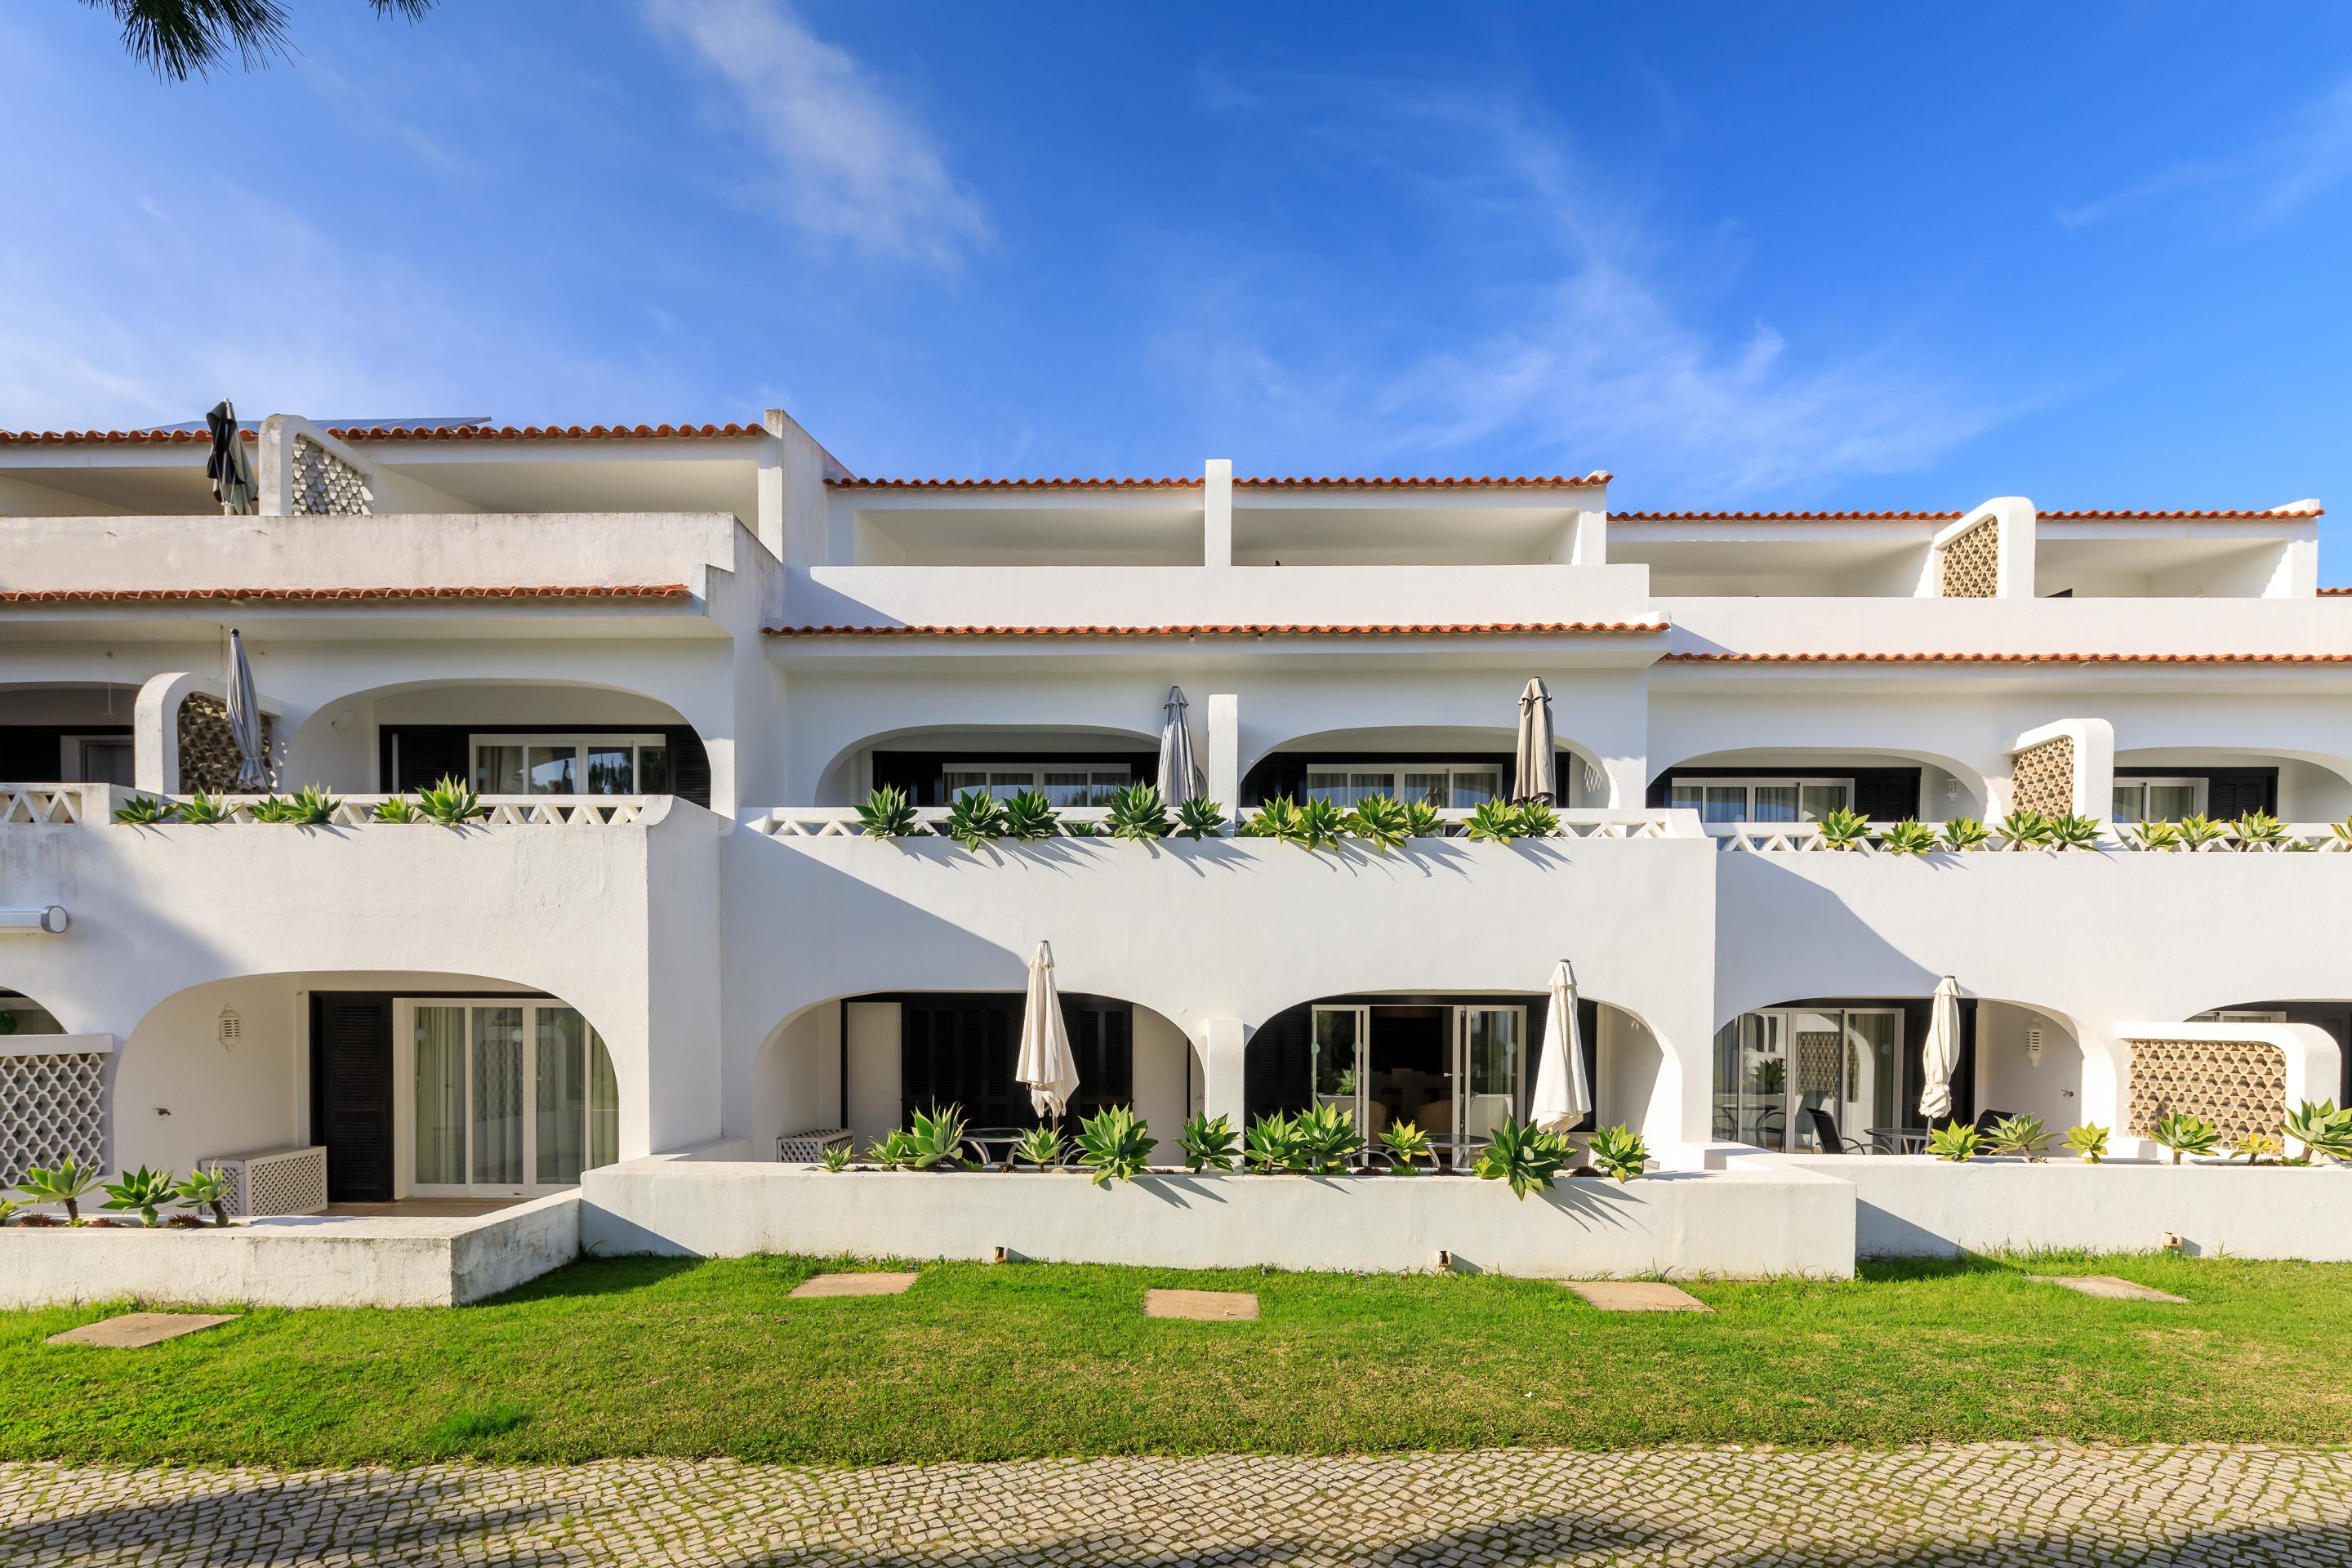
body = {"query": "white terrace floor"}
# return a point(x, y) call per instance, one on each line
point(1963, 1506)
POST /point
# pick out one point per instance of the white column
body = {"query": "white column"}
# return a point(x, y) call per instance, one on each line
point(1217, 513)
point(1224, 750)
point(1224, 1045)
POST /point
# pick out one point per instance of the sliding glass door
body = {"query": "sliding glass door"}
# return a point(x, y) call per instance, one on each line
point(1795, 1078)
point(505, 1097)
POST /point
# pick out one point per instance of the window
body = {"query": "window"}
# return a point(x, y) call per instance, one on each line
point(1787, 1077)
point(2159, 800)
point(506, 1095)
point(571, 764)
point(1760, 799)
point(1064, 783)
point(1453, 785)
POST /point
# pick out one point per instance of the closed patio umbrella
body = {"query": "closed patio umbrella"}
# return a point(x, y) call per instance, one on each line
point(245, 720)
point(1046, 1068)
point(1563, 1097)
point(231, 475)
point(1533, 776)
point(1941, 1058)
point(1179, 779)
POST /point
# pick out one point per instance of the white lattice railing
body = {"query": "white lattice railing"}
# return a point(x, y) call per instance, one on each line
point(93, 804)
point(1805, 839)
point(1091, 822)
point(40, 802)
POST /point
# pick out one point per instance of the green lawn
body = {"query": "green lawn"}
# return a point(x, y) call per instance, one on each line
point(640, 1356)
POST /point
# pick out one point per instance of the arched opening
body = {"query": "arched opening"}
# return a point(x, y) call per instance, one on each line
point(1074, 765)
point(1805, 783)
point(864, 1063)
point(67, 732)
point(2334, 1016)
point(1454, 766)
point(2166, 783)
point(456, 1089)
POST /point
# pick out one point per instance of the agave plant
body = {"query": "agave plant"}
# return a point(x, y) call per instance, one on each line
point(974, 819)
point(1209, 1143)
point(835, 1158)
point(1620, 1152)
point(1908, 837)
point(1494, 822)
point(2089, 1142)
point(1043, 1147)
point(451, 802)
point(2023, 829)
point(2018, 1135)
point(140, 1192)
point(1320, 823)
point(1323, 1137)
point(1538, 819)
point(1138, 812)
point(63, 1183)
point(1381, 821)
point(1422, 820)
point(142, 810)
point(2184, 1132)
point(2255, 1147)
point(2072, 832)
point(1843, 830)
point(1276, 819)
point(1406, 1145)
point(894, 1151)
point(2260, 829)
point(1956, 1141)
point(935, 1139)
point(2318, 1126)
point(1029, 816)
point(204, 810)
point(399, 808)
point(1199, 817)
point(207, 1190)
point(2157, 836)
point(1114, 1143)
point(1524, 1155)
point(886, 813)
point(2343, 831)
point(1965, 833)
point(2198, 830)
point(1270, 1144)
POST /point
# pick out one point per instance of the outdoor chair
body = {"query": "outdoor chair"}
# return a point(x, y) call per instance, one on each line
point(1825, 1133)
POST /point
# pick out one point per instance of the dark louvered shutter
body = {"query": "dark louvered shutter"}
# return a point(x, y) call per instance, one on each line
point(2229, 795)
point(1278, 1069)
point(689, 765)
point(1887, 795)
point(1102, 1038)
point(422, 755)
point(351, 1093)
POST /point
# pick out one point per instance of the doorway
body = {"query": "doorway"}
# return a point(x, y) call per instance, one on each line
point(500, 1096)
point(1455, 1070)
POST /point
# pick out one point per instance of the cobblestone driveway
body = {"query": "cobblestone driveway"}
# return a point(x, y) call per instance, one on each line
point(1995, 1503)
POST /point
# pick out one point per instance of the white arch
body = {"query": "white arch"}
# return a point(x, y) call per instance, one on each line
point(1590, 777)
point(836, 782)
point(1972, 781)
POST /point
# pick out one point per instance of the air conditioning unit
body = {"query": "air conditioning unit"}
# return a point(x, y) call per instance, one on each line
point(275, 1180)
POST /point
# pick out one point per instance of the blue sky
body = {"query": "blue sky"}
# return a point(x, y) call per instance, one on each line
point(1770, 255)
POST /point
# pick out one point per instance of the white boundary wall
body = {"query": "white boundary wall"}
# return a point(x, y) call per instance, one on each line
point(1686, 1224)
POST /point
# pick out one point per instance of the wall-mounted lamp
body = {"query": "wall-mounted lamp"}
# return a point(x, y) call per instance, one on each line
point(50, 920)
point(2033, 1045)
point(232, 1029)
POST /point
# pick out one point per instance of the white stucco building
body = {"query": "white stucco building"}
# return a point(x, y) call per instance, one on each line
point(674, 660)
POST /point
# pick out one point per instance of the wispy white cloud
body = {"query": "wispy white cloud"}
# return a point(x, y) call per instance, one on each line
point(853, 164)
point(2309, 155)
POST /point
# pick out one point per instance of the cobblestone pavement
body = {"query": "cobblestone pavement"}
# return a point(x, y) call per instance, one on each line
point(1945, 1506)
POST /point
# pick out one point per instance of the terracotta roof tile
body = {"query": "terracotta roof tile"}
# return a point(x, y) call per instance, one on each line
point(324, 595)
point(396, 432)
point(2272, 514)
point(1268, 630)
point(2008, 658)
point(111, 437)
point(1431, 483)
point(2269, 515)
point(2327, 592)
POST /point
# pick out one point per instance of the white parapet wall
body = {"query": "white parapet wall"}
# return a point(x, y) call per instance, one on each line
point(1916, 1207)
point(1739, 1225)
point(295, 1261)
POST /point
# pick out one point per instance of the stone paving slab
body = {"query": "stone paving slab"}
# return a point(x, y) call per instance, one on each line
point(1637, 1296)
point(1202, 1306)
point(2108, 1288)
point(867, 1284)
point(130, 1331)
point(1974, 1505)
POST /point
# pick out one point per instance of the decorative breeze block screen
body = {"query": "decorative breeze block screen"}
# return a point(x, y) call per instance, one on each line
point(2042, 778)
point(2239, 1086)
point(281, 1181)
point(325, 485)
point(1971, 562)
point(208, 753)
point(52, 1108)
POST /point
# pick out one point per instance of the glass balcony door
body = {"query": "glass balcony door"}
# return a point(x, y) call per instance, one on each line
point(1341, 1060)
point(1490, 1051)
point(504, 1097)
point(1779, 1074)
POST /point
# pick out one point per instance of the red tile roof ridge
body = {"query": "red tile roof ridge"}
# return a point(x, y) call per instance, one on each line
point(2270, 514)
point(396, 432)
point(1727, 658)
point(1483, 481)
point(1240, 629)
point(173, 596)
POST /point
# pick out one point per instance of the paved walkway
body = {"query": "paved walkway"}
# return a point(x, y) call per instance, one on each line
point(1969, 1506)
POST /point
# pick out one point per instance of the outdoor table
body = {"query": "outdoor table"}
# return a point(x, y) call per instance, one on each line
point(994, 1144)
point(1897, 1140)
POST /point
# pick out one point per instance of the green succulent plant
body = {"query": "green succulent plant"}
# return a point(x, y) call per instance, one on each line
point(974, 819)
point(1276, 819)
point(1381, 821)
point(1407, 1147)
point(1908, 837)
point(1843, 830)
point(144, 810)
point(2343, 830)
point(2157, 836)
point(1323, 1137)
point(62, 1184)
point(1494, 822)
point(2184, 1132)
point(2260, 828)
point(2198, 830)
point(1956, 1141)
point(1538, 819)
point(894, 1151)
point(2023, 829)
point(310, 806)
point(398, 808)
point(1043, 1147)
point(1138, 812)
point(1422, 820)
point(1210, 1142)
point(451, 802)
point(1199, 817)
point(1618, 1152)
point(1320, 823)
point(1524, 1155)
point(1963, 834)
point(2072, 832)
point(886, 813)
point(2089, 1142)
point(1029, 816)
point(1114, 1143)
point(2322, 1129)
point(835, 1158)
point(140, 1192)
point(2255, 1147)
point(935, 1139)
point(2018, 1135)
point(8, 1208)
point(207, 1190)
point(204, 810)
point(1271, 1145)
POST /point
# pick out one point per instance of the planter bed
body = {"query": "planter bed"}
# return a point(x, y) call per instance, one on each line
point(1733, 1224)
point(1915, 1206)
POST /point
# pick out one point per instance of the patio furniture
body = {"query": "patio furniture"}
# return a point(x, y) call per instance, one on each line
point(993, 1145)
point(1826, 1133)
point(807, 1148)
point(1897, 1140)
